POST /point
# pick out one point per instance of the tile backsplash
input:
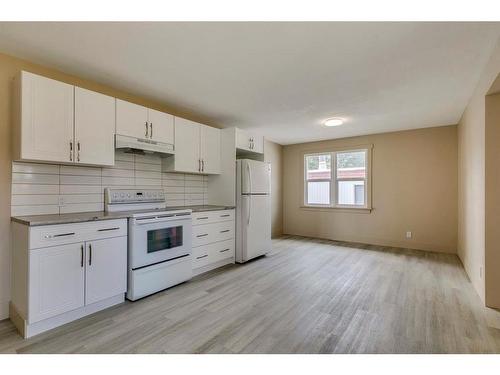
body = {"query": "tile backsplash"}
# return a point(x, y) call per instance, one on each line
point(52, 189)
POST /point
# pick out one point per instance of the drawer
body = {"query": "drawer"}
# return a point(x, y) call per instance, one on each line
point(52, 235)
point(200, 256)
point(208, 233)
point(212, 216)
point(212, 253)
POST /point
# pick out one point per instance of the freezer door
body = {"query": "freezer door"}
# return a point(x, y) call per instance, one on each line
point(255, 177)
point(255, 227)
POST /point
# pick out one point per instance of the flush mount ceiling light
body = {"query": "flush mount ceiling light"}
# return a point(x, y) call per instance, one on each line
point(335, 121)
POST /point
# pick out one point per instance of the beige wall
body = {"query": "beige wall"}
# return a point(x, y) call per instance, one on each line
point(471, 178)
point(274, 155)
point(414, 188)
point(492, 201)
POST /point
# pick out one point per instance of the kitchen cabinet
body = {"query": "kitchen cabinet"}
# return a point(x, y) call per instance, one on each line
point(197, 149)
point(136, 121)
point(56, 282)
point(105, 265)
point(249, 142)
point(213, 240)
point(94, 128)
point(63, 272)
point(57, 122)
point(44, 119)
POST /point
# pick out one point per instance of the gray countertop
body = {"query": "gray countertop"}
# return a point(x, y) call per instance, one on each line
point(80, 217)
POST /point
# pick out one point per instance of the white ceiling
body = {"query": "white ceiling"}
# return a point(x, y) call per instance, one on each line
point(281, 79)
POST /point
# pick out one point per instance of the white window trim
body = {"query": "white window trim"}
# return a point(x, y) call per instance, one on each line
point(334, 180)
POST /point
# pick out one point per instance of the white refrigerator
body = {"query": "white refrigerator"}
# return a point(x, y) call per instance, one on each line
point(253, 209)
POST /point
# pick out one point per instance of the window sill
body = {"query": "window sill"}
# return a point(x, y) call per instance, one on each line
point(365, 210)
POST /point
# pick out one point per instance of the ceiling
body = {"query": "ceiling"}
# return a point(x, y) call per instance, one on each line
point(282, 79)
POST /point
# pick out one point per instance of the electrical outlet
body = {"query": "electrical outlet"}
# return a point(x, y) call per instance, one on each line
point(408, 235)
point(61, 201)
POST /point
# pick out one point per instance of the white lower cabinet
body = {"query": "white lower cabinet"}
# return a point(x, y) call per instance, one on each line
point(213, 240)
point(63, 272)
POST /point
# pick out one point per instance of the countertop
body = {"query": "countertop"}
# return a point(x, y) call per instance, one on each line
point(80, 217)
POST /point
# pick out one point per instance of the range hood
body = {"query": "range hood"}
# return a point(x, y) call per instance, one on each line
point(142, 146)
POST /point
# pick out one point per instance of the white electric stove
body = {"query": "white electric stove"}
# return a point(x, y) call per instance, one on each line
point(159, 240)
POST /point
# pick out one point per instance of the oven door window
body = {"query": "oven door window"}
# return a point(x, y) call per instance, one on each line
point(164, 238)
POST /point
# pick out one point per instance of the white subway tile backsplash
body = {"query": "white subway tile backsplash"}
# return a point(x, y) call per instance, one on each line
point(48, 188)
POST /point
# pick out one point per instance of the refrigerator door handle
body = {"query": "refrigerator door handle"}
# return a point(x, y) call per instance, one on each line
point(250, 195)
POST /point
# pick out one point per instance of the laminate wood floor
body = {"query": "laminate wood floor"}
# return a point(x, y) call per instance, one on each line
point(307, 296)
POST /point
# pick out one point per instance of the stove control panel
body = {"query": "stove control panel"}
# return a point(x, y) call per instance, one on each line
point(128, 196)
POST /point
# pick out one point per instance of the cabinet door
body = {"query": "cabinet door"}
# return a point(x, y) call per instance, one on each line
point(187, 146)
point(94, 127)
point(161, 126)
point(131, 119)
point(257, 143)
point(56, 282)
point(210, 149)
point(243, 140)
point(46, 119)
point(106, 269)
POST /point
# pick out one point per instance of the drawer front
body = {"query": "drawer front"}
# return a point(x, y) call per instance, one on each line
point(52, 235)
point(221, 250)
point(200, 256)
point(212, 253)
point(200, 218)
point(208, 233)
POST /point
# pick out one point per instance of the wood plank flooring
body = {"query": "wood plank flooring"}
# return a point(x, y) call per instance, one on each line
point(307, 296)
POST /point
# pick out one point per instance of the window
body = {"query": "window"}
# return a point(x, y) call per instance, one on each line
point(337, 179)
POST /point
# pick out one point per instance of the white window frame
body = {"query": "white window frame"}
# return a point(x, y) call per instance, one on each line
point(334, 191)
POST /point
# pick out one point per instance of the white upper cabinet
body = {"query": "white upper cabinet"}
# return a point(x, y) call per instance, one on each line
point(94, 128)
point(131, 119)
point(161, 126)
point(197, 149)
point(210, 149)
point(45, 119)
point(57, 122)
point(136, 121)
point(249, 142)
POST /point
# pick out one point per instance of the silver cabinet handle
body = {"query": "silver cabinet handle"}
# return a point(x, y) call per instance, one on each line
point(90, 254)
point(202, 235)
point(224, 231)
point(199, 165)
point(147, 129)
point(202, 218)
point(60, 235)
point(81, 256)
point(202, 256)
point(226, 215)
point(202, 165)
point(222, 251)
point(108, 229)
point(70, 150)
point(78, 149)
point(151, 132)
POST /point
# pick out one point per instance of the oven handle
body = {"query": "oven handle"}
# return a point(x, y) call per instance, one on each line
point(161, 220)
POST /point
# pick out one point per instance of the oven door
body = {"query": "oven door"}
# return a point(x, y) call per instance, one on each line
point(152, 241)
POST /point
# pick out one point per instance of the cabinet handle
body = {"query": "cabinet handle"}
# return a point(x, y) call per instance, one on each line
point(224, 231)
point(202, 218)
point(151, 132)
point(70, 150)
point(60, 235)
point(199, 165)
point(147, 129)
point(202, 165)
point(222, 251)
point(202, 235)
point(90, 254)
point(78, 148)
point(202, 256)
point(107, 229)
point(226, 215)
point(81, 256)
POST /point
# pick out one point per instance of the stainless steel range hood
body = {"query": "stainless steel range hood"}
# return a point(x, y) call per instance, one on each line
point(142, 146)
